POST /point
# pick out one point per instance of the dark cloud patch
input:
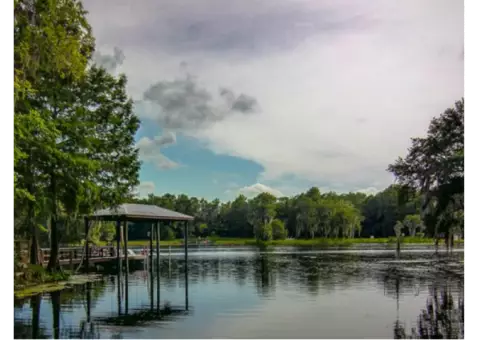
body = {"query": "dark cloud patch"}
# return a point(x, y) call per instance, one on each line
point(220, 26)
point(243, 103)
point(169, 138)
point(183, 104)
point(109, 61)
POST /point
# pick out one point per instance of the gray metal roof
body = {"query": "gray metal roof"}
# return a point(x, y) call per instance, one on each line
point(140, 212)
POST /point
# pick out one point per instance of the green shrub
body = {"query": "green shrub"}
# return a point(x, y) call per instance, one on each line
point(278, 230)
point(168, 234)
point(263, 232)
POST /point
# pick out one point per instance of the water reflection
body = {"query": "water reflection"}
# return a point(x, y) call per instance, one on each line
point(88, 296)
point(442, 318)
point(328, 289)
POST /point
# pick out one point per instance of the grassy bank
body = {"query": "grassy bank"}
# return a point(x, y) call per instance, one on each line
point(34, 279)
point(30, 280)
point(324, 241)
point(219, 241)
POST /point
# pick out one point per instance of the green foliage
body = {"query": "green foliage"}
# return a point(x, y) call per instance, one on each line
point(413, 223)
point(168, 234)
point(36, 274)
point(263, 232)
point(434, 166)
point(278, 230)
point(398, 229)
point(102, 232)
point(74, 128)
point(262, 209)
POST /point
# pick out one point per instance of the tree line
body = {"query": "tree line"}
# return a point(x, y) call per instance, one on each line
point(307, 215)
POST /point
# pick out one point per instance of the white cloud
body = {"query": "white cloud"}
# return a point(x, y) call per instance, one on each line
point(339, 95)
point(145, 188)
point(369, 191)
point(149, 150)
point(258, 188)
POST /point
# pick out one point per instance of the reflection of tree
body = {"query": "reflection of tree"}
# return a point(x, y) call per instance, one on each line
point(24, 330)
point(443, 318)
point(310, 269)
point(31, 330)
point(240, 271)
point(263, 272)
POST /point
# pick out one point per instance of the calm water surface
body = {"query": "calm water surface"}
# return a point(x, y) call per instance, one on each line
point(365, 292)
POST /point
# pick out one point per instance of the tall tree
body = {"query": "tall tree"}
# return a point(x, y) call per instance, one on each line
point(52, 44)
point(262, 211)
point(434, 166)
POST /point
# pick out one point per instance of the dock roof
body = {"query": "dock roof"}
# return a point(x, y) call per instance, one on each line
point(135, 212)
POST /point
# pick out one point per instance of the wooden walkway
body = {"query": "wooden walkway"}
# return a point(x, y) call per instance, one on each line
point(75, 255)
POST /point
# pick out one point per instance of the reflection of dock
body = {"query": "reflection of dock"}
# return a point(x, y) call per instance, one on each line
point(143, 316)
point(89, 326)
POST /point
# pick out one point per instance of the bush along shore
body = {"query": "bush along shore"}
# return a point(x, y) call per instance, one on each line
point(323, 242)
point(34, 279)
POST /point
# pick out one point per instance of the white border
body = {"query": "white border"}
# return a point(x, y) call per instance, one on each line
point(475, 232)
point(4, 147)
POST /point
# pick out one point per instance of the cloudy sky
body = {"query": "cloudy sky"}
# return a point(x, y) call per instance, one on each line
point(251, 96)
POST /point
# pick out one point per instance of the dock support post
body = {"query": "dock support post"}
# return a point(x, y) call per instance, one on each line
point(151, 248)
point(157, 241)
point(87, 255)
point(118, 230)
point(89, 301)
point(125, 240)
point(185, 237)
point(150, 265)
point(125, 244)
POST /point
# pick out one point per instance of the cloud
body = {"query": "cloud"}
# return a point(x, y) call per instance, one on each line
point(182, 104)
point(243, 103)
point(150, 150)
point(369, 191)
point(145, 188)
point(109, 62)
point(223, 28)
point(342, 85)
point(258, 188)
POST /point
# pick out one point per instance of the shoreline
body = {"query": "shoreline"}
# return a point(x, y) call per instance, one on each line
point(29, 290)
point(322, 242)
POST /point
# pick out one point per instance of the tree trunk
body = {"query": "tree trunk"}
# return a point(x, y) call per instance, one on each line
point(34, 249)
point(412, 231)
point(53, 263)
point(447, 240)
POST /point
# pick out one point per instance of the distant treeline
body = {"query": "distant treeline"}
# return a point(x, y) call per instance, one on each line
point(307, 215)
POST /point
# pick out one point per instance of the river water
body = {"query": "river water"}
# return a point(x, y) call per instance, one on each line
point(364, 292)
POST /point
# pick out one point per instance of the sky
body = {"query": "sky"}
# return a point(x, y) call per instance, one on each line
point(275, 96)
